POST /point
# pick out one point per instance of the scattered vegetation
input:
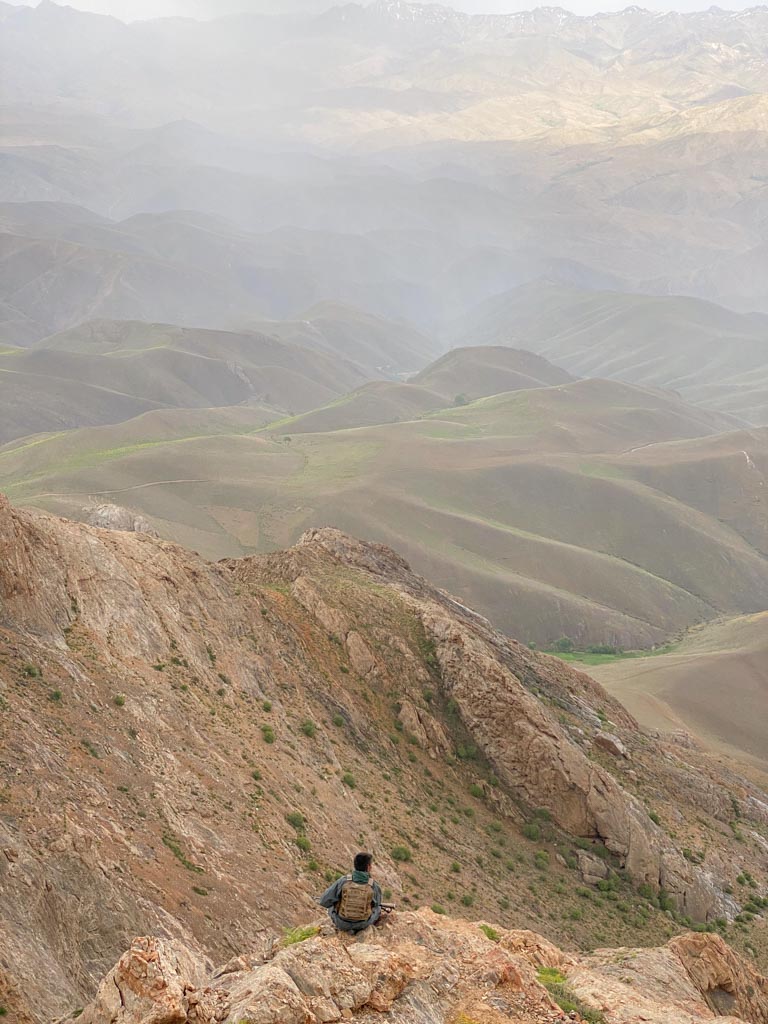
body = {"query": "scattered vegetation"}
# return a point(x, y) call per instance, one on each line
point(268, 734)
point(174, 846)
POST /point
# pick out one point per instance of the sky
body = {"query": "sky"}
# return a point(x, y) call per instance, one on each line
point(130, 9)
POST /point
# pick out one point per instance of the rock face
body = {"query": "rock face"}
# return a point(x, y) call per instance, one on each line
point(698, 975)
point(424, 969)
point(115, 517)
point(489, 679)
point(191, 751)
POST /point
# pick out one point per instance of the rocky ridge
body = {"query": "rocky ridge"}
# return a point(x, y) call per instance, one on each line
point(191, 750)
point(422, 968)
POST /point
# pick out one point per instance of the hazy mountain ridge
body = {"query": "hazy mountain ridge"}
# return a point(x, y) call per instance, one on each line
point(712, 355)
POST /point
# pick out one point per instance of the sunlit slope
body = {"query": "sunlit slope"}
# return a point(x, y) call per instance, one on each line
point(529, 504)
point(714, 684)
point(109, 371)
point(712, 355)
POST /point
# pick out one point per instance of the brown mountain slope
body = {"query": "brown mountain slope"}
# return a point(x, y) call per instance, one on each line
point(192, 749)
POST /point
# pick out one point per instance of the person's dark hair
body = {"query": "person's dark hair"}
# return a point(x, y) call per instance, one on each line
point(363, 861)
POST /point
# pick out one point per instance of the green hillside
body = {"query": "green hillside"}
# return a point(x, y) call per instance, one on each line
point(532, 506)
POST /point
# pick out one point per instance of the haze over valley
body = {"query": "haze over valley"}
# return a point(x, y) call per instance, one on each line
point(383, 461)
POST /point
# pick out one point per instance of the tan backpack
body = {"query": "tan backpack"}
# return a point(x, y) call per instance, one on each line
point(356, 901)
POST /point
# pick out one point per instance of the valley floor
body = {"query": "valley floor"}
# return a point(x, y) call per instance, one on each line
point(692, 689)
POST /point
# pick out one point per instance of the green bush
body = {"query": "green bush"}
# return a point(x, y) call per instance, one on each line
point(476, 790)
point(541, 860)
point(119, 700)
point(309, 728)
point(349, 780)
point(564, 645)
point(490, 933)
point(268, 734)
point(532, 831)
point(338, 720)
point(303, 843)
point(467, 900)
point(296, 820)
point(437, 909)
point(401, 854)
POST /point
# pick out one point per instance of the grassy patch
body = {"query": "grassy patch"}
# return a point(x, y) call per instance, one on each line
point(589, 658)
point(292, 936)
point(556, 983)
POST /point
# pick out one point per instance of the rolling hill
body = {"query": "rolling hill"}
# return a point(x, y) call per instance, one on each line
point(109, 371)
point(713, 356)
point(483, 371)
point(544, 508)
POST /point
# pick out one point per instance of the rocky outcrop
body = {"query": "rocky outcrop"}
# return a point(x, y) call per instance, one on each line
point(115, 517)
point(696, 977)
point(424, 969)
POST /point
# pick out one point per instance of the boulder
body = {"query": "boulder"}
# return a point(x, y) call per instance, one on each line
point(612, 744)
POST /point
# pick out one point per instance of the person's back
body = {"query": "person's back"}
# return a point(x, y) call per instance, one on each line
point(354, 901)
